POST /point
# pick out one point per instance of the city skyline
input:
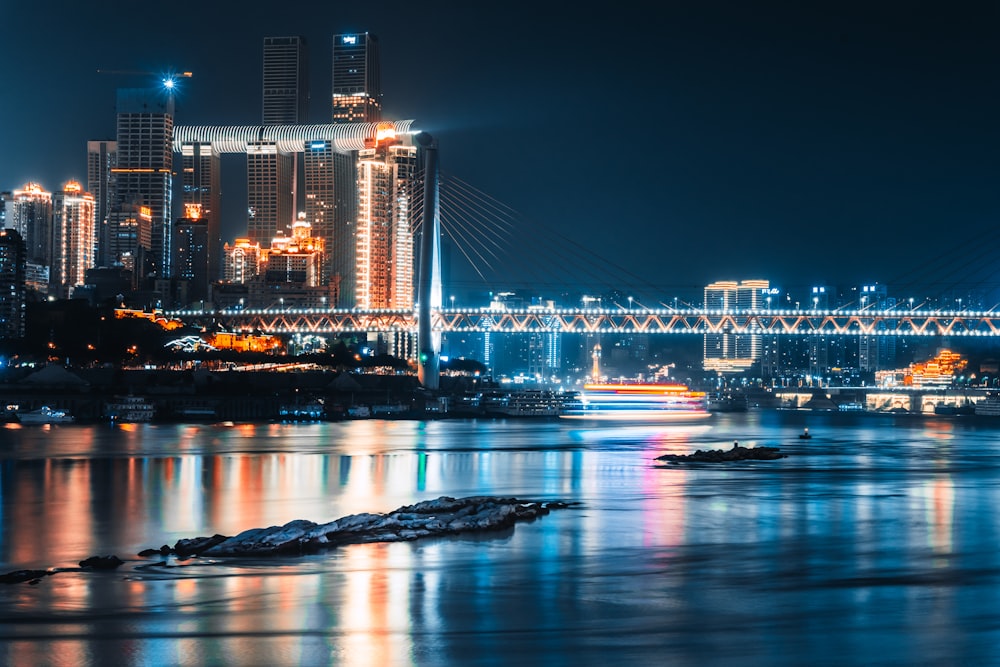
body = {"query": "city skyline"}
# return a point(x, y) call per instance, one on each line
point(804, 146)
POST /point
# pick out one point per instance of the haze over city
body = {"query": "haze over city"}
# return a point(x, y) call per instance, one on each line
point(840, 142)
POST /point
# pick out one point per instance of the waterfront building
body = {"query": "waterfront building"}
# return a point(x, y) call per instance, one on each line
point(728, 352)
point(144, 172)
point(876, 352)
point(129, 239)
point(12, 284)
point(31, 216)
point(102, 157)
point(73, 239)
point(384, 249)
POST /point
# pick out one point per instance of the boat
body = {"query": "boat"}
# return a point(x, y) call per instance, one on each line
point(989, 406)
point(45, 415)
point(359, 412)
point(954, 410)
point(302, 412)
point(523, 403)
point(129, 410)
point(195, 413)
point(805, 434)
point(728, 402)
point(637, 402)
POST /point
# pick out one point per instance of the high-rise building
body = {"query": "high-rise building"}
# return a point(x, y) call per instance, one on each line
point(130, 231)
point(12, 288)
point(102, 157)
point(285, 81)
point(191, 254)
point(144, 173)
point(294, 259)
point(272, 173)
point(200, 181)
point(73, 238)
point(729, 352)
point(357, 83)
point(384, 237)
point(31, 216)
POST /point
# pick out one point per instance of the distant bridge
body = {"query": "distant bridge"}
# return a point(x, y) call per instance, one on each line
point(866, 322)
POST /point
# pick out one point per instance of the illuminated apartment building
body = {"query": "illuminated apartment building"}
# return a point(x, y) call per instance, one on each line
point(269, 190)
point(129, 238)
point(729, 352)
point(102, 157)
point(144, 172)
point(73, 238)
point(285, 81)
point(242, 261)
point(31, 215)
point(384, 236)
point(12, 284)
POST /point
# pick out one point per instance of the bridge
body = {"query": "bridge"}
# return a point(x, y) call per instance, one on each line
point(865, 322)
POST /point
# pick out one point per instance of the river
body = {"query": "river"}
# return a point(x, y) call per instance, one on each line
point(875, 542)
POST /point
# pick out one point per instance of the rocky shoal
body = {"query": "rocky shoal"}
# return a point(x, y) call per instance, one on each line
point(737, 453)
point(430, 518)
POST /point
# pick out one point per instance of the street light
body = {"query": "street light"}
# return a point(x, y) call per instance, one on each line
point(453, 302)
point(630, 304)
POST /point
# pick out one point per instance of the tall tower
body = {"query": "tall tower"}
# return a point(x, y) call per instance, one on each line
point(285, 81)
point(200, 180)
point(12, 289)
point(102, 157)
point(144, 175)
point(31, 216)
point(272, 174)
point(73, 238)
point(384, 254)
point(357, 81)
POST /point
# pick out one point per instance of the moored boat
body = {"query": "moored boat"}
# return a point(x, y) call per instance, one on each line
point(129, 410)
point(45, 415)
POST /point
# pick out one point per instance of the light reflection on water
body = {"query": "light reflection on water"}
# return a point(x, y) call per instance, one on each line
point(874, 543)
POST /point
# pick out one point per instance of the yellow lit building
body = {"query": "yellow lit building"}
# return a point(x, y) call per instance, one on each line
point(74, 238)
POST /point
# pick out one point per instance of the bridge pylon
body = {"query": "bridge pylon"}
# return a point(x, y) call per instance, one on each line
point(429, 270)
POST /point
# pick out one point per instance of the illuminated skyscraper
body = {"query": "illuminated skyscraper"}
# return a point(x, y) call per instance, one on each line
point(12, 289)
point(384, 237)
point(271, 172)
point(144, 175)
point(357, 82)
point(191, 253)
point(242, 262)
point(102, 157)
point(729, 352)
point(31, 216)
point(73, 238)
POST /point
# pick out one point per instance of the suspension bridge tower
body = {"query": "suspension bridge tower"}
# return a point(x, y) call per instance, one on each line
point(429, 269)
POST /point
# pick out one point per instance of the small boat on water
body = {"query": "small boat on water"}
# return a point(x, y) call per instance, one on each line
point(805, 434)
point(45, 415)
point(129, 410)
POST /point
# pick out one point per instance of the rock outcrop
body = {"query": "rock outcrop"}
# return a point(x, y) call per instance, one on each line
point(443, 516)
point(737, 453)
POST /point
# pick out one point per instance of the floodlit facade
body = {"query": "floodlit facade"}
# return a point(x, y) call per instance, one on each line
point(295, 259)
point(144, 172)
point(242, 261)
point(384, 237)
point(73, 238)
point(31, 215)
point(728, 352)
point(129, 237)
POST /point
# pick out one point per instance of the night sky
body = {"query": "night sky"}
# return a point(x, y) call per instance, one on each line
point(800, 142)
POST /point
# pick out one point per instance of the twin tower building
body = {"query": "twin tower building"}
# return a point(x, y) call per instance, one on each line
point(330, 208)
